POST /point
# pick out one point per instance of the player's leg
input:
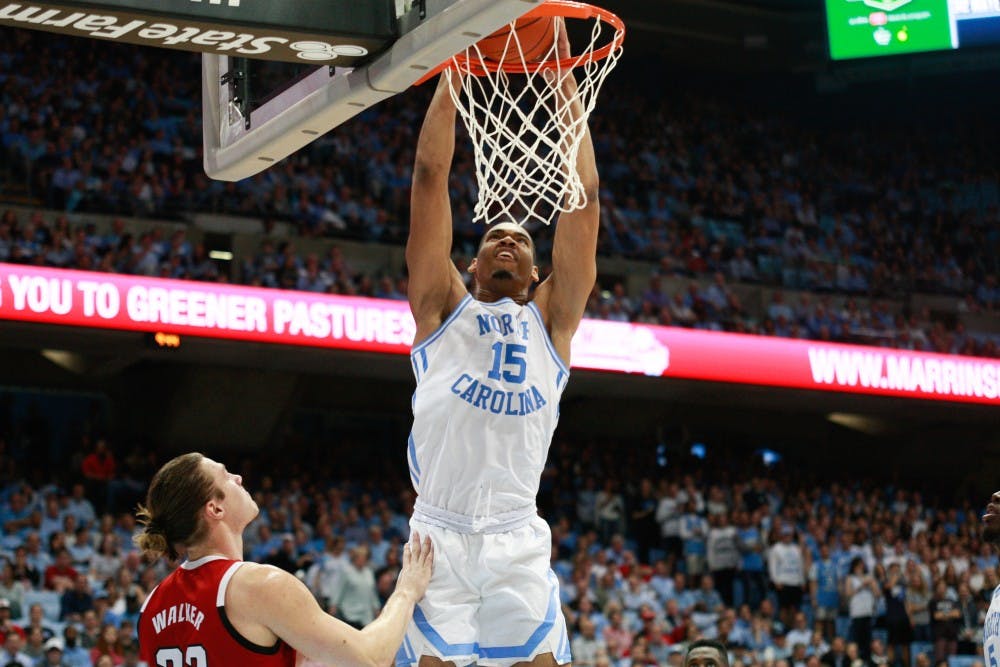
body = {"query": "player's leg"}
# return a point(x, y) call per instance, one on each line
point(444, 629)
point(521, 620)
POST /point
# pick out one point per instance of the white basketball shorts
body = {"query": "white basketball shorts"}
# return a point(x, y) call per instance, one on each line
point(492, 599)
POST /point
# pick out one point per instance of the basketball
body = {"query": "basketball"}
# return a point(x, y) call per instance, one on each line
point(535, 34)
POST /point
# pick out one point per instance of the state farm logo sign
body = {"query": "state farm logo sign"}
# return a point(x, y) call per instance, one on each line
point(191, 35)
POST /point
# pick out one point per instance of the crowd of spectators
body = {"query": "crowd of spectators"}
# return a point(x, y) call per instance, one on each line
point(782, 574)
point(680, 197)
point(826, 317)
point(715, 306)
point(787, 569)
point(787, 575)
point(695, 183)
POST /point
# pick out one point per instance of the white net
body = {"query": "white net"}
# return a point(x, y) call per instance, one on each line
point(525, 138)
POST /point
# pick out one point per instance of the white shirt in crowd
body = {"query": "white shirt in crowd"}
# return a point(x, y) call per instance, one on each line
point(668, 515)
point(785, 564)
point(325, 574)
point(355, 595)
point(862, 600)
point(723, 553)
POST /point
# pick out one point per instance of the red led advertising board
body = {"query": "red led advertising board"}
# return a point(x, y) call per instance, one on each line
point(239, 313)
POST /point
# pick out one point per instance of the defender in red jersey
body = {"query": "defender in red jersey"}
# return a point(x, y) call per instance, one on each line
point(217, 611)
point(184, 621)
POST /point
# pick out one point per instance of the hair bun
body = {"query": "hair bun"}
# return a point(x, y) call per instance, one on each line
point(152, 543)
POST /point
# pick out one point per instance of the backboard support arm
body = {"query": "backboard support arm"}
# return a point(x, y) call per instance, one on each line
point(329, 96)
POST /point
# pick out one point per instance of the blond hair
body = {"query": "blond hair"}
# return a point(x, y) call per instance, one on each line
point(171, 517)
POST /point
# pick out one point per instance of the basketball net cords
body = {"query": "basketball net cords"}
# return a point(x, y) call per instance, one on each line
point(526, 143)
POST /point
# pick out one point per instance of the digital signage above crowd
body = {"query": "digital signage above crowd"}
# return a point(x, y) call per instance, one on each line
point(255, 314)
point(869, 28)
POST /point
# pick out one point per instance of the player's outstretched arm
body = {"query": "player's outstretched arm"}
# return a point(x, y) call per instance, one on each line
point(264, 595)
point(435, 286)
point(563, 296)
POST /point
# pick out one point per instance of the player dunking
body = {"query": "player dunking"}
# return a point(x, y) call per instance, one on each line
point(991, 628)
point(217, 611)
point(490, 368)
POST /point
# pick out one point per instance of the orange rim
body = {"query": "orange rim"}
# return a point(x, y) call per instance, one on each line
point(554, 8)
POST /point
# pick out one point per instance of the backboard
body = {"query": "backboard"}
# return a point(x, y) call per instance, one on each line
point(246, 131)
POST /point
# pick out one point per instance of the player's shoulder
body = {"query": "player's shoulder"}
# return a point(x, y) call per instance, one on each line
point(258, 579)
point(251, 572)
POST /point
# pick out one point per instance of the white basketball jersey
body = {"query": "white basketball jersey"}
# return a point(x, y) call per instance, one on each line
point(485, 407)
point(991, 631)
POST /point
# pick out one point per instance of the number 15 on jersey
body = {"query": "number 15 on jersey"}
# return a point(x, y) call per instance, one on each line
point(509, 362)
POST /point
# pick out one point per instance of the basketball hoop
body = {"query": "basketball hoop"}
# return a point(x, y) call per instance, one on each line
point(524, 137)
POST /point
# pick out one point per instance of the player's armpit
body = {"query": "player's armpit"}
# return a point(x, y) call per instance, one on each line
point(433, 299)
